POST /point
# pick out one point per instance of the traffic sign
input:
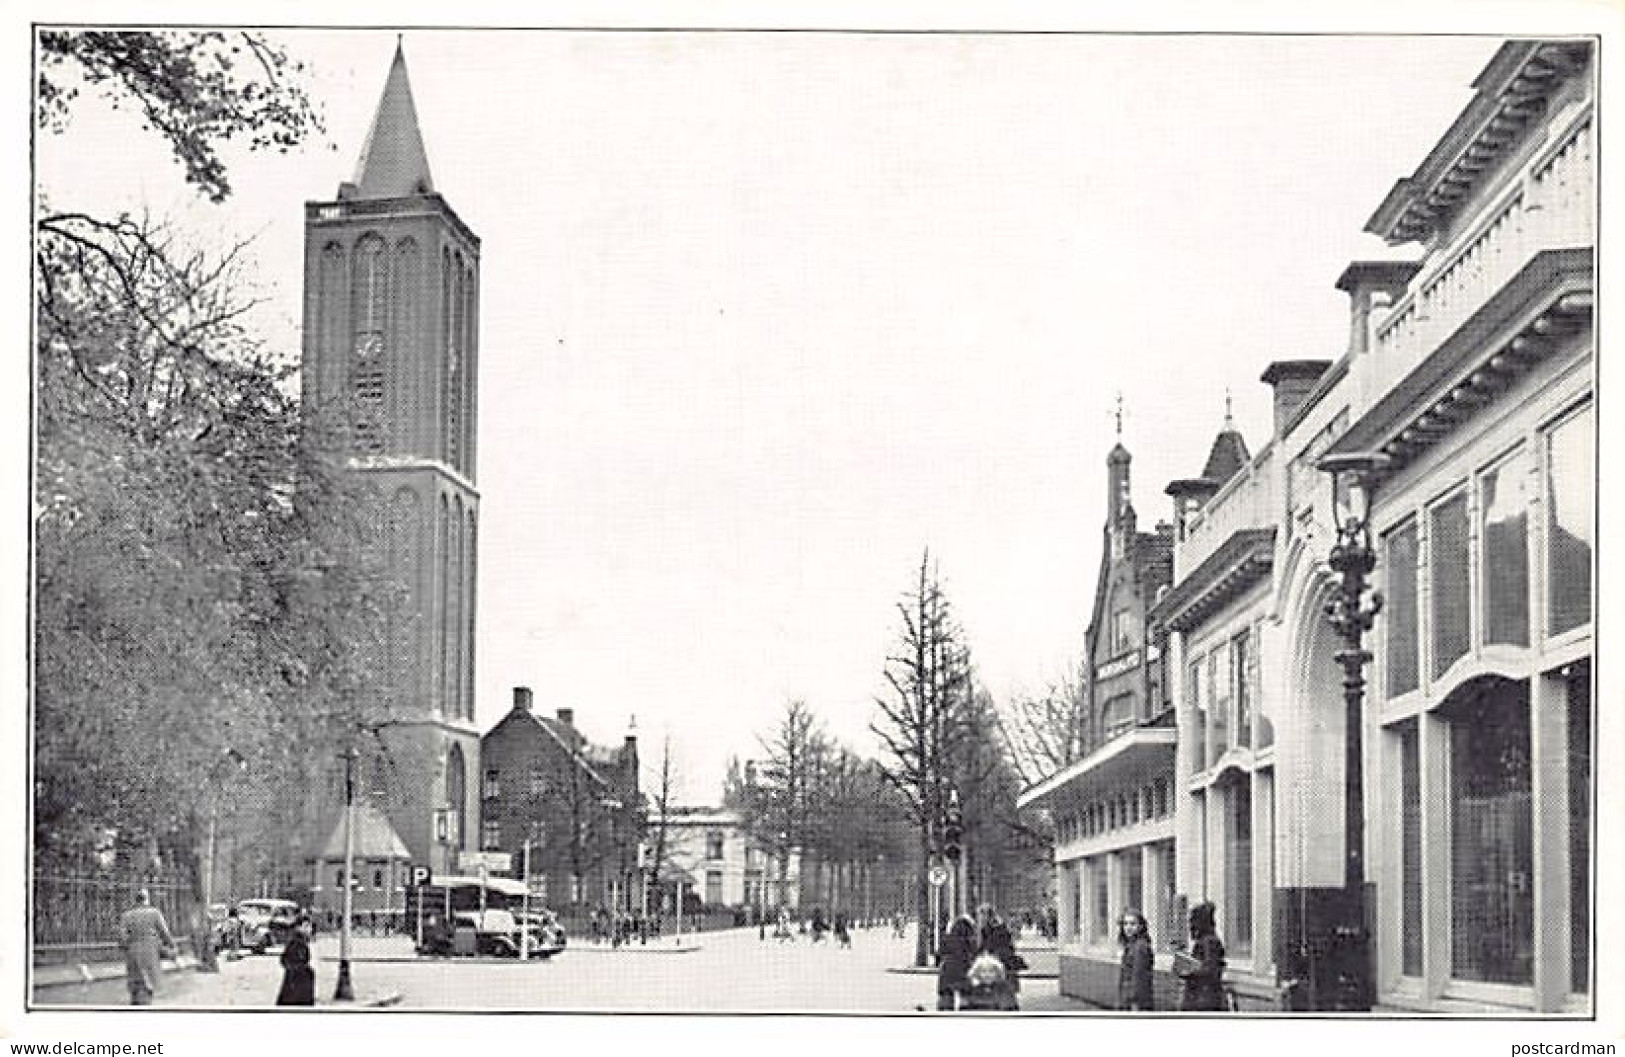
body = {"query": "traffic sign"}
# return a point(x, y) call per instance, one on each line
point(938, 876)
point(421, 876)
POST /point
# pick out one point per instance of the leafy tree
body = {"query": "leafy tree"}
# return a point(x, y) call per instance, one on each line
point(199, 644)
point(197, 89)
point(189, 604)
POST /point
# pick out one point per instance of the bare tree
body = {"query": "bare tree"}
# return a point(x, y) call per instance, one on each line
point(921, 722)
point(1045, 734)
point(664, 794)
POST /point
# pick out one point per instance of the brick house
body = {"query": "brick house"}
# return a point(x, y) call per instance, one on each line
point(576, 803)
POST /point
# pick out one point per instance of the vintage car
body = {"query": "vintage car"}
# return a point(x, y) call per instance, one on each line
point(265, 923)
point(493, 934)
point(547, 936)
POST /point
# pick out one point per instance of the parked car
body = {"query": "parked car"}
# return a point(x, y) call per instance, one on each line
point(547, 936)
point(266, 923)
point(493, 934)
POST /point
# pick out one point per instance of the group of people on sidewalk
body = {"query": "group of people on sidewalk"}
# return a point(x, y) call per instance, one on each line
point(978, 967)
point(1200, 966)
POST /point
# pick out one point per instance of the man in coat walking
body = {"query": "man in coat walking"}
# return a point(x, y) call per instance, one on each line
point(144, 935)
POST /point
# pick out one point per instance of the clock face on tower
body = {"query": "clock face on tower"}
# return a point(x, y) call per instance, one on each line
point(369, 345)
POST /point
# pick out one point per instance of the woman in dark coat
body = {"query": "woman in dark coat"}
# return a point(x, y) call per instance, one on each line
point(1134, 978)
point(1203, 969)
point(298, 978)
point(953, 963)
point(997, 941)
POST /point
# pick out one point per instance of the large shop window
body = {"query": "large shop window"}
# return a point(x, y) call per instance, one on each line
point(1133, 880)
point(1241, 664)
point(1400, 610)
point(1505, 526)
point(1491, 851)
point(1099, 901)
point(1198, 696)
point(1238, 867)
point(1410, 854)
point(1218, 715)
point(1571, 505)
point(1167, 896)
point(1452, 600)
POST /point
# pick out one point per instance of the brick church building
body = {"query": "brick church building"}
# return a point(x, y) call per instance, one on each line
point(391, 351)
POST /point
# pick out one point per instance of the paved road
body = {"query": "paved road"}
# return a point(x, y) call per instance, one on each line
point(731, 971)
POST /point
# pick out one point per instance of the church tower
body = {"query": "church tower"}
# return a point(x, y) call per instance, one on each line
point(391, 352)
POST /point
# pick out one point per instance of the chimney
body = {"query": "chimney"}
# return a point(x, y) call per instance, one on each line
point(521, 699)
point(1362, 281)
point(1292, 381)
point(1189, 494)
point(567, 716)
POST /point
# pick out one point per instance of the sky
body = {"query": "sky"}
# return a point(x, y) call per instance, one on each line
point(764, 316)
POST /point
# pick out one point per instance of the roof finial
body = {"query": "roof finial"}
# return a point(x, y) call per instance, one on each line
point(1229, 422)
point(1119, 414)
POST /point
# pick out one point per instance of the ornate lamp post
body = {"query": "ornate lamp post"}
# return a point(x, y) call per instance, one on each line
point(1351, 611)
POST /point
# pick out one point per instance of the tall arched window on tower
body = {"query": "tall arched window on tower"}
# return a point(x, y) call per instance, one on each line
point(368, 304)
point(454, 365)
point(456, 796)
point(454, 613)
point(406, 314)
point(402, 562)
point(443, 588)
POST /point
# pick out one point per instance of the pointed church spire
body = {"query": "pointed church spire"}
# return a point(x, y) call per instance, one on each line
point(393, 163)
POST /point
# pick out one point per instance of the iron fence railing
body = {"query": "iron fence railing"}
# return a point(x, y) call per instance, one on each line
point(86, 910)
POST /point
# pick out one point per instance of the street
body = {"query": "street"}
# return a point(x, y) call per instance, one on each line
point(719, 972)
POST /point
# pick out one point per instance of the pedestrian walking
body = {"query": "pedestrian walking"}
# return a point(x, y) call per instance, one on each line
point(231, 937)
point(843, 934)
point(996, 940)
point(1202, 969)
point(144, 935)
point(1134, 990)
point(953, 964)
point(298, 978)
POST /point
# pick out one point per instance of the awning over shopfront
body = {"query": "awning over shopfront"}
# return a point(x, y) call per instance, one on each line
point(1241, 561)
point(1126, 760)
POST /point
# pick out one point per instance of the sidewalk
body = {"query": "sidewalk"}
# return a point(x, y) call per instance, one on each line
point(251, 981)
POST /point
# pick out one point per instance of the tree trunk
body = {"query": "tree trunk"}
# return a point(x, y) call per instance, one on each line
point(922, 892)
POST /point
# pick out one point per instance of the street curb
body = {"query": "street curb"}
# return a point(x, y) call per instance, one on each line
point(651, 949)
point(71, 973)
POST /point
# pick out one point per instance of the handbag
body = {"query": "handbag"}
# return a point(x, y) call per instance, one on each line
point(1185, 964)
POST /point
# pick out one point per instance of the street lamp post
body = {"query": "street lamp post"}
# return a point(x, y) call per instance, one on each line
point(1351, 612)
point(344, 992)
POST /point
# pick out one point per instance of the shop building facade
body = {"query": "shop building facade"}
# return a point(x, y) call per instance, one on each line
point(1467, 386)
point(1114, 809)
